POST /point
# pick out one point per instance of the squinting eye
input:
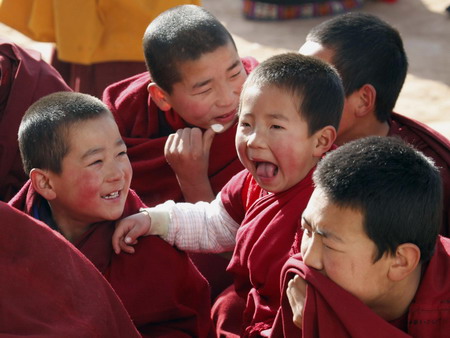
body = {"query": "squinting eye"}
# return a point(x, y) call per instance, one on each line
point(236, 75)
point(95, 162)
point(122, 153)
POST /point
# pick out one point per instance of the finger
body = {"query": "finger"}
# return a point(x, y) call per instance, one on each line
point(126, 248)
point(169, 144)
point(208, 138)
point(196, 143)
point(184, 140)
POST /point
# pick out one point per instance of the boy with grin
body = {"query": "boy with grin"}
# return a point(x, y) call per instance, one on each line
point(371, 226)
point(290, 109)
point(79, 185)
point(194, 81)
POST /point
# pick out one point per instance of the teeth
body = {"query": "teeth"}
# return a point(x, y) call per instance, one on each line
point(111, 195)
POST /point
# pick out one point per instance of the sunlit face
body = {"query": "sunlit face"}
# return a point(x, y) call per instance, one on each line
point(210, 88)
point(348, 120)
point(335, 243)
point(96, 174)
point(272, 139)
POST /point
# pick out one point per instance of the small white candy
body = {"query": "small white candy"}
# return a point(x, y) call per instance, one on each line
point(217, 127)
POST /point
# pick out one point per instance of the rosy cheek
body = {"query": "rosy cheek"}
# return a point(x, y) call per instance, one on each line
point(88, 188)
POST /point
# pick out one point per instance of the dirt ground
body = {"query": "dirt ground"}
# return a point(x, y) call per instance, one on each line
point(423, 24)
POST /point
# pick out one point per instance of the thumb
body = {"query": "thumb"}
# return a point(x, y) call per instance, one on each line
point(208, 137)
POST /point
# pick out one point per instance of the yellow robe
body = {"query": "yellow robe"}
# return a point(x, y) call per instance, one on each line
point(87, 31)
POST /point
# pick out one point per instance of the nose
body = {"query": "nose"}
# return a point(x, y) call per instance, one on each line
point(255, 139)
point(312, 251)
point(227, 95)
point(115, 172)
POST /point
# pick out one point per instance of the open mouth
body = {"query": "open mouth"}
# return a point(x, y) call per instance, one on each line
point(266, 169)
point(112, 195)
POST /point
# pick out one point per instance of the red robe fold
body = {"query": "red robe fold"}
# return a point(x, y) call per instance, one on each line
point(48, 288)
point(25, 77)
point(159, 286)
point(145, 129)
point(330, 311)
point(263, 243)
point(432, 144)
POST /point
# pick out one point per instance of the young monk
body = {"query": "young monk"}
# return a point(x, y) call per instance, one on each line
point(48, 288)
point(194, 81)
point(290, 108)
point(25, 77)
point(371, 255)
point(164, 115)
point(369, 55)
point(79, 185)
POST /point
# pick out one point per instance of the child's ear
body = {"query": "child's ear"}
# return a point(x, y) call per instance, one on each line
point(40, 179)
point(324, 140)
point(366, 100)
point(159, 96)
point(404, 262)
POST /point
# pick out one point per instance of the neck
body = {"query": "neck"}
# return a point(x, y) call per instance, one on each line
point(364, 127)
point(71, 229)
point(398, 300)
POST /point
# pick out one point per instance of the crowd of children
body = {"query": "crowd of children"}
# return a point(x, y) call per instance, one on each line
point(328, 210)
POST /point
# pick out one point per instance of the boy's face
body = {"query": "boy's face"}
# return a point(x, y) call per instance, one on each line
point(210, 88)
point(272, 139)
point(335, 243)
point(96, 174)
point(348, 120)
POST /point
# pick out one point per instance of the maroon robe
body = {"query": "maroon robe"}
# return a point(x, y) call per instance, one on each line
point(330, 311)
point(48, 288)
point(432, 144)
point(25, 77)
point(159, 286)
point(145, 129)
point(263, 243)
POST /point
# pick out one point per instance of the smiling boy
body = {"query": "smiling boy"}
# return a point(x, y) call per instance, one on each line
point(79, 185)
point(371, 228)
point(194, 81)
point(290, 109)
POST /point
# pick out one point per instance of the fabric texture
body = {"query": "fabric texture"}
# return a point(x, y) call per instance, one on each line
point(85, 31)
point(48, 288)
point(433, 145)
point(296, 9)
point(25, 78)
point(330, 311)
point(159, 286)
point(263, 243)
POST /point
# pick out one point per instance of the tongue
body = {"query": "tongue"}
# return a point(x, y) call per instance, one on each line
point(266, 170)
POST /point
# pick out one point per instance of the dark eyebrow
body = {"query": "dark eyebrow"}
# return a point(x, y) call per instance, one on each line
point(204, 83)
point(94, 151)
point(278, 117)
point(325, 234)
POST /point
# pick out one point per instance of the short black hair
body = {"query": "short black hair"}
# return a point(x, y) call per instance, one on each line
point(44, 128)
point(180, 34)
point(315, 84)
point(397, 189)
point(366, 50)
